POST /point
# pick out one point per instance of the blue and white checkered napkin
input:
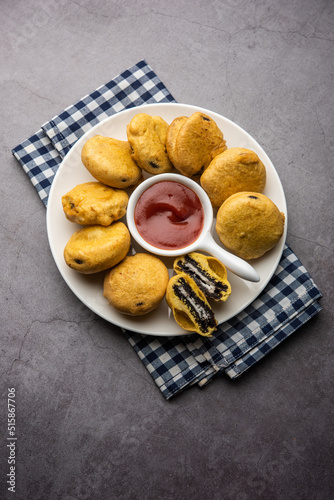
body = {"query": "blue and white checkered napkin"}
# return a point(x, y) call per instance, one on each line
point(289, 300)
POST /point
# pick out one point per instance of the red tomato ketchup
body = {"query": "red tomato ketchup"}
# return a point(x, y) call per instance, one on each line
point(169, 215)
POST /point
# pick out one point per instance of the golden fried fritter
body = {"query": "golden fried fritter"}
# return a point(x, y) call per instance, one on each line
point(193, 142)
point(137, 285)
point(110, 161)
point(96, 248)
point(147, 136)
point(93, 203)
point(249, 224)
point(234, 170)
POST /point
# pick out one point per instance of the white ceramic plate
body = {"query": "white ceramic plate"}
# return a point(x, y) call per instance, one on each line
point(88, 288)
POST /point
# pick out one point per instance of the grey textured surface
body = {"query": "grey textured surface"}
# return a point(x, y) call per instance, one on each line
point(91, 423)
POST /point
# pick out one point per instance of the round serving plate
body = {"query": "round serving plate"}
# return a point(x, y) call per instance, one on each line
point(89, 288)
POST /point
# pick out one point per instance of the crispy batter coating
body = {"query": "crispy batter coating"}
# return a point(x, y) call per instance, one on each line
point(193, 142)
point(234, 170)
point(137, 285)
point(249, 224)
point(189, 305)
point(110, 161)
point(96, 248)
point(93, 203)
point(172, 132)
point(209, 274)
point(147, 136)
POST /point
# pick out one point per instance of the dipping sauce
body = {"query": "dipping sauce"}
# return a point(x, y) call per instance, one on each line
point(169, 215)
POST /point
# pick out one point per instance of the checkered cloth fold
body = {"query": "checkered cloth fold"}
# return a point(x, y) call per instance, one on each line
point(175, 363)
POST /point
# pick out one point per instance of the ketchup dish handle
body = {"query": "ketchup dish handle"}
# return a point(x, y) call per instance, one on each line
point(235, 264)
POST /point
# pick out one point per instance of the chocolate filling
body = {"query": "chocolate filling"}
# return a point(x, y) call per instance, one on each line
point(209, 285)
point(153, 164)
point(202, 314)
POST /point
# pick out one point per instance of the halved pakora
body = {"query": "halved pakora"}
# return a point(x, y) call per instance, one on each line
point(209, 274)
point(189, 305)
